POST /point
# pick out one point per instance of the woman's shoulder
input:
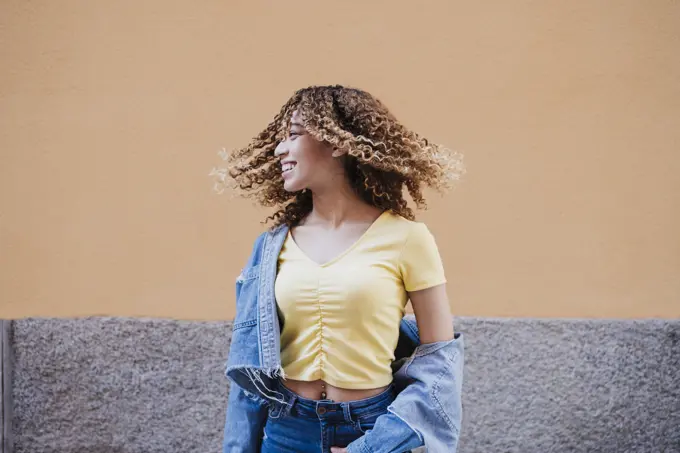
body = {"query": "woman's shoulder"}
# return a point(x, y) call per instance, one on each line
point(407, 226)
point(268, 232)
point(275, 232)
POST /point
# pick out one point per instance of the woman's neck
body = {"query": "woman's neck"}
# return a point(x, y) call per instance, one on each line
point(334, 207)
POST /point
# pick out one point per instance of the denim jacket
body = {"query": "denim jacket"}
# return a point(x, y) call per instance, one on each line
point(427, 377)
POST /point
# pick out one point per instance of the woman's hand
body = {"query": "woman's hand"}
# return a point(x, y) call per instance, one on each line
point(338, 450)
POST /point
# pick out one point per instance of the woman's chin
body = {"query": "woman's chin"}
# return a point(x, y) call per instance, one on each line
point(290, 186)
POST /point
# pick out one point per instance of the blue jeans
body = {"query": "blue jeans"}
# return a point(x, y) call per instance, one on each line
point(314, 426)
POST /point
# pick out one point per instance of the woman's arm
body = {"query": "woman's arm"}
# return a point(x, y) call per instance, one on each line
point(433, 314)
point(422, 273)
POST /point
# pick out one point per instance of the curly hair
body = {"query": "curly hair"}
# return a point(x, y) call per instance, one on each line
point(382, 155)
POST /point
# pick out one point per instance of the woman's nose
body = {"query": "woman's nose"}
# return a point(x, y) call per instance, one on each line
point(280, 148)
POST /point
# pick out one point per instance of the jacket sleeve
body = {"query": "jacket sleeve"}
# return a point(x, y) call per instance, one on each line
point(429, 405)
point(244, 426)
point(246, 413)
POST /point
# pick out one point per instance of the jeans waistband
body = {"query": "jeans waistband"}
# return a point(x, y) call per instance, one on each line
point(331, 410)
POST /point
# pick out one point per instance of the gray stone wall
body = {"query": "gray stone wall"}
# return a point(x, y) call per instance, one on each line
point(118, 385)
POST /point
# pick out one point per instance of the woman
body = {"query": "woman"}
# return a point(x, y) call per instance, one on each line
point(334, 162)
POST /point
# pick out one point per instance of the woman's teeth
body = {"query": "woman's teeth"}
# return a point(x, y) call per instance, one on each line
point(287, 167)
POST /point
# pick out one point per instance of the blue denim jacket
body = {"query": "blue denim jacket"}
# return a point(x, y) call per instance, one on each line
point(428, 377)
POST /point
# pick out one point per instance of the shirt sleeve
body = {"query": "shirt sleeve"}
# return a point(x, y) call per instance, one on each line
point(420, 263)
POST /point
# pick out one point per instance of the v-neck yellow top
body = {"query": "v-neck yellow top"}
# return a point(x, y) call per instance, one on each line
point(341, 318)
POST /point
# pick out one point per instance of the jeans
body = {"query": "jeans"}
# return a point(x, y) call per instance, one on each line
point(314, 426)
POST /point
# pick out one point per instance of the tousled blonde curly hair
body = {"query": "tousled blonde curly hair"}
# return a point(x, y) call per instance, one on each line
point(383, 156)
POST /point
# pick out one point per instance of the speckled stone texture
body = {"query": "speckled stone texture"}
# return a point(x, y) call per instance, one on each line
point(571, 386)
point(106, 385)
point(118, 385)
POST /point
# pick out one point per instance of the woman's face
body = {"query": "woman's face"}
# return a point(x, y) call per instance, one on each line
point(306, 163)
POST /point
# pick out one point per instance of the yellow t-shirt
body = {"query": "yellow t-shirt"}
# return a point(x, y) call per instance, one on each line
point(341, 318)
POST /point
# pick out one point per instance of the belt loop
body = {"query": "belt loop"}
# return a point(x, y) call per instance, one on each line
point(291, 402)
point(278, 408)
point(292, 397)
point(347, 412)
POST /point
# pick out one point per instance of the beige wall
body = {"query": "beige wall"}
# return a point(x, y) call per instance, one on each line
point(568, 114)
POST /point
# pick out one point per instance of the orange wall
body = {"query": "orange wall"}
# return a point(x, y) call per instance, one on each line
point(568, 114)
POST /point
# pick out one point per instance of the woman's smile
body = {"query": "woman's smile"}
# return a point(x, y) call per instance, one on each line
point(287, 168)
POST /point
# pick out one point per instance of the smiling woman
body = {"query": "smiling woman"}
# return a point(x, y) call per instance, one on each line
point(304, 158)
point(347, 257)
point(337, 128)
